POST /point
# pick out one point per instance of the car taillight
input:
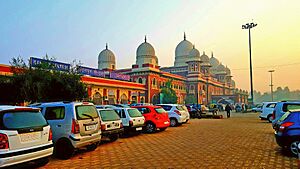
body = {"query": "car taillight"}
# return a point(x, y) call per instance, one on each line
point(121, 125)
point(273, 114)
point(50, 135)
point(75, 127)
point(285, 125)
point(176, 111)
point(130, 123)
point(103, 127)
point(3, 141)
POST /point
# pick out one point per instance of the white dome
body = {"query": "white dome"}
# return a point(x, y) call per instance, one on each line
point(194, 54)
point(145, 53)
point(204, 58)
point(214, 61)
point(221, 68)
point(106, 59)
point(182, 52)
point(227, 70)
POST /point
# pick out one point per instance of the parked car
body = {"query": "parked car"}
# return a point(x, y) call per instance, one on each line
point(105, 106)
point(238, 108)
point(132, 119)
point(257, 108)
point(141, 104)
point(194, 110)
point(122, 105)
point(155, 118)
point(111, 124)
point(25, 136)
point(287, 131)
point(74, 125)
point(267, 111)
point(176, 113)
point(282, 107)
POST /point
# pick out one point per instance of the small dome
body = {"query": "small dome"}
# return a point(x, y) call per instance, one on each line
point(232, 83)
point(204, 58)
point(227, 70)
point(221, 68)
point(106, 59)
point(214, 61)
point(145, 49)
point(194, 54)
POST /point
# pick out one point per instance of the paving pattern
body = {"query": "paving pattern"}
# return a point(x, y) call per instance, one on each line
point(242, 141)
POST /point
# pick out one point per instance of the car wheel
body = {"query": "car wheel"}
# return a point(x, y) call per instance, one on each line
point(294, 147)
point(114, 137)
point(270, 118)
point(163, 129)
point(173, 122)
point(92, 147)
point(150, 128)
point(64, 149)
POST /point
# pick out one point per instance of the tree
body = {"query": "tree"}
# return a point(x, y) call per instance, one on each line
point(190, 99)
point(41, 84)
point(168, 94)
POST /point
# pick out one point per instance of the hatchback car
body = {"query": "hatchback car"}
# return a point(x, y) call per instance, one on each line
point(111, 124)
point(132, 119)
point(155, 118)
point(267, 111)
point(282, 107)
point(74, 125)
point(287, 131)
point(25, 136)
point(177, 114)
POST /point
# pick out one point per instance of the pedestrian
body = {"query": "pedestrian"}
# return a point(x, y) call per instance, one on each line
point(228, 109)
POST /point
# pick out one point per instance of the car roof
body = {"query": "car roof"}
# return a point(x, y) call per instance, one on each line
point(147, 106)
point(59, 103)
point(9, 107)
point(168, 105)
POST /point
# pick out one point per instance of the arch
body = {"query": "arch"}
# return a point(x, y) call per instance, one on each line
point(140, 80)
point(155, 99)
point(124, 99)
point(97, 98)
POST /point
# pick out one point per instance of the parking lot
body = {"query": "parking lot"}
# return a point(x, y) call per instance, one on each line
point(242, 141)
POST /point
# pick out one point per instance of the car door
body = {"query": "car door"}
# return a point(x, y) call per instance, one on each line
point(269, 109)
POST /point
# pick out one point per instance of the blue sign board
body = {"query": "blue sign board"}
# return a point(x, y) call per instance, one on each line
point(119, 76)
point(36, 62)
point(91, 71)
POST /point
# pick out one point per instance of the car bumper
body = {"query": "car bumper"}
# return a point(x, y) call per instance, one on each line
point(106, 133)
point(263, 118)
point(162, 124)
point(134, 128)
point(83, 141)
point(284, 141)
point(21, 156)
point(183, 119)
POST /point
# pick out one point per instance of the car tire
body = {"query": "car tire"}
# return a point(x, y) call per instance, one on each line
point(114, 137)
point(150, 128)
point(92, 147)
point(173, 122)
point(64, 149)
point(270, 118)
point(293, 148)
point(163, 129)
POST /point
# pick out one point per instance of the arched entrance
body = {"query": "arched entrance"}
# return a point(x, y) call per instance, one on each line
point(155, 99)
point(124, 99)
point(97, 98)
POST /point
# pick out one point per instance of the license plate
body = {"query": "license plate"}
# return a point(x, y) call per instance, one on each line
point(166, 122)
point(139, 129)
point(30, 136)
point(90, 127)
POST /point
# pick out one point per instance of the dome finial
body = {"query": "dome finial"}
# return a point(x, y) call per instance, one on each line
point(193, 46)
point(184, 36)
point(145, 38)
point(106, 46)
point(212, 54)
point(203, 52)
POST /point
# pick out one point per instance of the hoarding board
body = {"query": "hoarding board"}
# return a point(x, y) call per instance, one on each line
point(47, 64)
point(91, 71)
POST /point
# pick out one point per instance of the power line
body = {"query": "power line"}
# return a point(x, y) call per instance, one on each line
point(263, 67)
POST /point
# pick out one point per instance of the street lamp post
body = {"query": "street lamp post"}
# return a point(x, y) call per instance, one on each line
point(271, 85)
point(249, 26)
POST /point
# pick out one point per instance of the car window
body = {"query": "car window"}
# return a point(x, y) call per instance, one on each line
point(54, 113)
point(160, 110)
point(272, 105)
point(179, 108)
point(109, 115)
point(167, 108)
point(123, 114)
point(284, 116)
point(144, 110)
point(290, 107)
point(23, 119)
point(134, 113)
point(86, 112)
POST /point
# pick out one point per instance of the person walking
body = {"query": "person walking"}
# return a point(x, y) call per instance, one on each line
point(228, 109)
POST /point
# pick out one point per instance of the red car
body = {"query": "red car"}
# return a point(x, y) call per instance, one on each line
point(155, 118)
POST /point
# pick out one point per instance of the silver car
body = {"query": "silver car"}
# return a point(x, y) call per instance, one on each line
point(177, 114)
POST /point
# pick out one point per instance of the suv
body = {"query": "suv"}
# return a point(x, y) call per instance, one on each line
point(74, 125)
point(287, 131)
point(267, 111)
point(111, 124)
point(132, 118)
point(155, 118)
point(177, 114)
point(25, 136)
point(283, 107)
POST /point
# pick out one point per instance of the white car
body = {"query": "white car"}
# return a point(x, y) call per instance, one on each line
point(267, 111)
point(132, 119)
point(176, 113)
point(25, 136)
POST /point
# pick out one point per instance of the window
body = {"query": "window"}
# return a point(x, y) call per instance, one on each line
point(290, 107)
point(86, 112)
point(109, 115)
point(160, 110)
point(144, 110)
point(167, 108)
point(134, 113)
point(271, 105)
point(54, 113)
point(121, 113)
point(140, 80)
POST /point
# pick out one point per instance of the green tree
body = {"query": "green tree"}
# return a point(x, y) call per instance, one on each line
point(168, 94)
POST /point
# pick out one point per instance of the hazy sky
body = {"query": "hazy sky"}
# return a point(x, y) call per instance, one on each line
point(73, 29)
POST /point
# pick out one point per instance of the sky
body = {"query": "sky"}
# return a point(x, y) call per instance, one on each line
point(78, 30)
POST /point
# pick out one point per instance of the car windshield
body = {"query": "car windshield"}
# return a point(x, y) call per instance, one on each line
point(284, 116)
point(134, 113)
point(86, 112)
point(109, 115)
point(179, 108)
point(160, 110)
point(24, 119)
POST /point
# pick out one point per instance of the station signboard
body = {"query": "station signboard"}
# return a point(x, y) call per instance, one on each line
point(119, 76)
point(91, 71)
point(48, 64)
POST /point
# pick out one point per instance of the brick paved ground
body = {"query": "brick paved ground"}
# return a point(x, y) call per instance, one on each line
point(242, 141)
